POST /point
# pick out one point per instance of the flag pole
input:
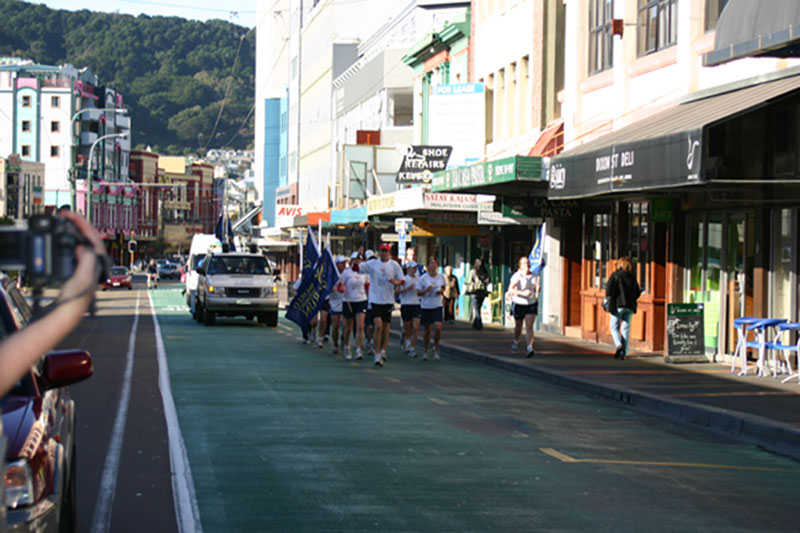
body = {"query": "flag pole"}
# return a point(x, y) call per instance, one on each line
point(300, 245)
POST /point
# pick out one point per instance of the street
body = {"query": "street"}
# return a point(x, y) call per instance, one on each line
point(285, 436)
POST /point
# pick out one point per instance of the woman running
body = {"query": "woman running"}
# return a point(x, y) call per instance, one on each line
point(430, 289)
point(354, 307)
point(409, 308)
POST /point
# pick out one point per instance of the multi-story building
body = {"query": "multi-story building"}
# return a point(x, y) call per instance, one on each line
point(21, 188)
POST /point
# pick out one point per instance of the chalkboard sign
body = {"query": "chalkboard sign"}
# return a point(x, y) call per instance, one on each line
point(685, 333)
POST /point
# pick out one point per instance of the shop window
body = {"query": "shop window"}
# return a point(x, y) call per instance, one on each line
point(639, 245)
point(658, 25)
point(713, 11)
point(599, 249)
point(783, 229)
point(600, 38)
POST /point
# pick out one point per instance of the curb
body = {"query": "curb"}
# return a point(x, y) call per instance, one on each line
point(776, 437)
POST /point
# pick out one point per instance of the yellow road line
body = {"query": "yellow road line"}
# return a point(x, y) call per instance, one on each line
point(567, 459)
point(438, 401)
point(519, 435)
point(394, 380)
point(285, 327)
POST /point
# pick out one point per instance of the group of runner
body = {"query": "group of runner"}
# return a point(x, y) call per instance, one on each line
point(360, 307)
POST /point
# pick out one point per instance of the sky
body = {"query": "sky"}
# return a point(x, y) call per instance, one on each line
point(242, 12)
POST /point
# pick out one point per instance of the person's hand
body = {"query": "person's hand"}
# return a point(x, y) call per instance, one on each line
point(84, 277)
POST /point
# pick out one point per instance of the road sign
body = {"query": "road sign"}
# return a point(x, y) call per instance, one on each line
point(401, 244)
point(403, 225)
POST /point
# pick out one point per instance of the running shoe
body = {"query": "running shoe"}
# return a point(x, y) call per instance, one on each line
point(378, 360)
point(436, 354)
point(514, 346)
point(359, 355)
point(425, 356)
point(530, 353)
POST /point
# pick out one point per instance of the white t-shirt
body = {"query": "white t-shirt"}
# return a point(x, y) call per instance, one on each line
point(523, 282)
point(381, 291)
point(354, 286)
point(336, 298)
point(431, 300)
point(409, 297)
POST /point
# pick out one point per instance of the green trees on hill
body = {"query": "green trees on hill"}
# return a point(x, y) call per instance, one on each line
point(175, 75)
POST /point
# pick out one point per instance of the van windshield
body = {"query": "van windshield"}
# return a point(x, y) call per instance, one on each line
point(238, 265)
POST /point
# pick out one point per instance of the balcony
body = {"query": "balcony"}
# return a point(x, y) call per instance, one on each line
point(123, 122)
point(88, 138)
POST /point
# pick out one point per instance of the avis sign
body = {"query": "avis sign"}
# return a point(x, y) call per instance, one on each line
point(284, 215)
point(420, 162)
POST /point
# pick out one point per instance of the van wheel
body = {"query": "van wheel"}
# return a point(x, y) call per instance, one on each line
point(208, 317)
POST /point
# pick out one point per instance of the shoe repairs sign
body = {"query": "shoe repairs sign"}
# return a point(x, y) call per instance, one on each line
point(420, 162)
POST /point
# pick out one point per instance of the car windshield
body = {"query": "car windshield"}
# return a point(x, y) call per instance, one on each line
point(238, 265)
point(119, 271)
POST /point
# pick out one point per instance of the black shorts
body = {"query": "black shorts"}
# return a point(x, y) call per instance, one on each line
point(349, 310)
point(522, 310)
point(430, 316)
point(368, 316)
point(409, 312)
point(326, 306)
point(382, 311)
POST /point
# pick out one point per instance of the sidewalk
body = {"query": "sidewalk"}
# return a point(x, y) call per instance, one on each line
point(761, 411)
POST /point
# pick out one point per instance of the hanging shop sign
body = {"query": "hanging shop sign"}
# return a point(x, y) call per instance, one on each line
point(455, 202)
point(526, 207)
point(505, 170)
point(449, 217)
point(420, 162)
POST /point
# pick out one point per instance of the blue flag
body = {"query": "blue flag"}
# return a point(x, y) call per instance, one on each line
point(313, 290)
point(535, 257)
point(225, 235)
point(310, 255)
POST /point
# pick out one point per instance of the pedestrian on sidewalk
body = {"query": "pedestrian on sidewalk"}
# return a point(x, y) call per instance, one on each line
point(451, 294)
point(355, 305)
point(409, 308)
point(622, 291)
point(336, 303)
point(477, 286)
point(385, 275)
point(430, 288)
point(524, 290)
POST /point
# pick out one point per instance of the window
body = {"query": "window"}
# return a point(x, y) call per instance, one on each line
point(26, 150)
point(638, 247)
point(600, 38)
point(599, 248)
point(26, 101)
point(55, 126)
point(55, 101)
point(658, 25)
point(26, 125)
point(713, 10)
point(54, 151)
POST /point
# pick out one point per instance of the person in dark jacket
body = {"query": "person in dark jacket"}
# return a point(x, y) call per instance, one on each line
point(622, 292)
point(477, 285)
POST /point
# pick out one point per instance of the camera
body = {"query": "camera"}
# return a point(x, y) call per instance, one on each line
point(46, 250)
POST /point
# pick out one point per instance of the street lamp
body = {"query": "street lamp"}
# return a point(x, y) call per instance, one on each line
point(73, 177)
point(89, 169)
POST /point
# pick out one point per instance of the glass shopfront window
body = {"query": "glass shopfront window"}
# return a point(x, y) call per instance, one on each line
point(599, 251)
point(783, 229)
point(639, 244)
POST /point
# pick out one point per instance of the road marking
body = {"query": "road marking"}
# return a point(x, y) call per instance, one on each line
point(732, 393)
point(437, 401)
point(186, 509)
point(394, 380)
point(567, 459)
point(285, 327)
point(519, 435)
point(101, 520)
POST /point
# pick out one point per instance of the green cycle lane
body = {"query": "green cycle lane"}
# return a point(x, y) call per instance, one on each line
point(287, 437)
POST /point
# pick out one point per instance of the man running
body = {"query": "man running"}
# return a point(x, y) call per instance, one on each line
point(384, 275)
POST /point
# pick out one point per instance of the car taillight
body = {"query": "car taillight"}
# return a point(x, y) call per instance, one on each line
point(18, 484)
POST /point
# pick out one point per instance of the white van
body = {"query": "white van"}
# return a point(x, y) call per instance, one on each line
point(201, 245)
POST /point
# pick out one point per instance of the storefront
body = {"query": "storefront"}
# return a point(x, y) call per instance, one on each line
point(703, 198)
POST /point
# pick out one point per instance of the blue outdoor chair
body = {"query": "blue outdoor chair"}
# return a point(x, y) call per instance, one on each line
point(786, 349)
point(742, 344)
point(761, 328)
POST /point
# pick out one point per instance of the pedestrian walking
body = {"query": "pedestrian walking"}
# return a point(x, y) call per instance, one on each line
point(451, 294)
point(430, 288)
point(524, 290)
point(409, 308)
point(622, 291)
point(152, 274)
point(384, 275)
point(355, 306)
point(477, 288)
point(336, 303)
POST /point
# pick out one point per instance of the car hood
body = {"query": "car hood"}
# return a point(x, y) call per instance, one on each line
point(18, 418)
point(121, 277)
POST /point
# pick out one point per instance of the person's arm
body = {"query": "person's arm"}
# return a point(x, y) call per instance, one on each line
point(19, 351)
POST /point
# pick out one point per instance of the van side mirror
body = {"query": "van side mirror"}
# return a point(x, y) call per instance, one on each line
point(200, 270)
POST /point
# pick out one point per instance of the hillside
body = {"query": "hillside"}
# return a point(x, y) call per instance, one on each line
point(174, 73)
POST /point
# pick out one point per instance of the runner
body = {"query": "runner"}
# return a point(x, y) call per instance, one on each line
point(431, 287)
point(409, 308)
point(384, 275)
point(354, 306)
point(336, 301)
point(369, 255)
point(524, 289)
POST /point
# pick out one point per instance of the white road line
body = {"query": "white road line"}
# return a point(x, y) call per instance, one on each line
point(187, 512)
point(101, 521)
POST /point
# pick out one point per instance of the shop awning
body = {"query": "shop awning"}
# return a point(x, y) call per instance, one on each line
point(662, 151)
point(551, 140)
point(499, 177)
point(754, 28)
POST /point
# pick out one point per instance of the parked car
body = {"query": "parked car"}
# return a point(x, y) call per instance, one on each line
point(39, 423)
point(236, 284)
point(120, 278)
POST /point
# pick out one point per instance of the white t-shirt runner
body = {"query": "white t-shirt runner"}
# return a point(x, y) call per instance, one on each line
point(354, 286)
point(431, 300)
point(336, 298)
point(381, 290)
point(409, 297)
point(521, 282)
